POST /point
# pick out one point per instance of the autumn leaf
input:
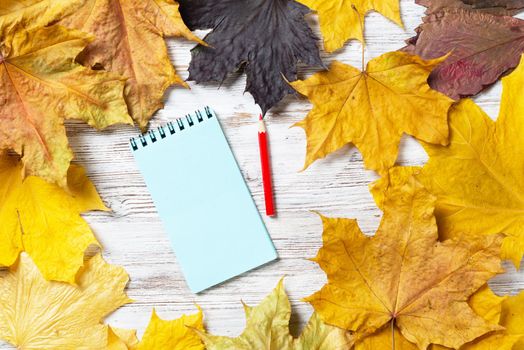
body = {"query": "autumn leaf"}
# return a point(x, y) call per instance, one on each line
point(487, 304)
point(510, 315)
point(160, 334)
point(320, 336)
point(341, 20)
point(384, 339)
point(483, 47)
point(121, 339)
point(478, 178)
point(44, 220)
point(40, 87)
point(264, 38)
point(506, 311)
point(496, 7)
point(372, 109)
point(37, 314)
point(403, 276)
point(178, 334)
point(267, 327)
point(28, 14)
point(512, 318)
point(139, 28)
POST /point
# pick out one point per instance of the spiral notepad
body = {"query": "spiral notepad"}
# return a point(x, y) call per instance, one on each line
point(200, 194)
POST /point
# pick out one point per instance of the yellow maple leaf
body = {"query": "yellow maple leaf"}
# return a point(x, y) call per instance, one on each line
point(37, 314)
point(403, 275)
point(372, 109)
point(41, 86)
point(178, 334)
point(506, 311)
point(512, 318)
point(44, 220)
point(478, 178)
point(139, 27)
point(341, 20)
point(16, 14)
point(487, 304)
point(268, 328)
point(121, 339)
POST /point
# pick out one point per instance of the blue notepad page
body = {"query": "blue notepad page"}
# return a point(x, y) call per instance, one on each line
point(200, 194)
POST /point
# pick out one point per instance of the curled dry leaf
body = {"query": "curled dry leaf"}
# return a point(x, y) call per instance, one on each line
point(373, 108)
point(130, 41)
point(40, 87)
point(44, 220)
point(341, 20)
point(265, 38)
point(496, 7)
point(178, 334)
point(267, 327)
point(482, 47)
point(478, 178)
point(28, 14)
point(507, 312)
point(403, 275)
point(37, 314)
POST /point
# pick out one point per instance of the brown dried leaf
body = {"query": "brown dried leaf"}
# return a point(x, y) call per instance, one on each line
point(130, 41)
point(496, 7)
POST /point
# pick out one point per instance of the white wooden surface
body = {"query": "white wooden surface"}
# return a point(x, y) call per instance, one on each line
point(132, 234)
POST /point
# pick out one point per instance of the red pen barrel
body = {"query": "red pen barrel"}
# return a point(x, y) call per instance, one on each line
point(266, 169)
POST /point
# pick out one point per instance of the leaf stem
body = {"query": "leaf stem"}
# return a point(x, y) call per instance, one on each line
point(362, 30)
point(392, 334)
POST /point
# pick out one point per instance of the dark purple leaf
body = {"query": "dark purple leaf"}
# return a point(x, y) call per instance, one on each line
point(265, 38)
point(483, 47)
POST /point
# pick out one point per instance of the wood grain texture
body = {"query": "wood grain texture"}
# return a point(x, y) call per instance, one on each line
point(132, 234)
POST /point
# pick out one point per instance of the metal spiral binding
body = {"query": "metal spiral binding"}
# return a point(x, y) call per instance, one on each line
point(151, 136)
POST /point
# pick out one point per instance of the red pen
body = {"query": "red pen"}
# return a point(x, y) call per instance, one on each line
point(266, 166)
